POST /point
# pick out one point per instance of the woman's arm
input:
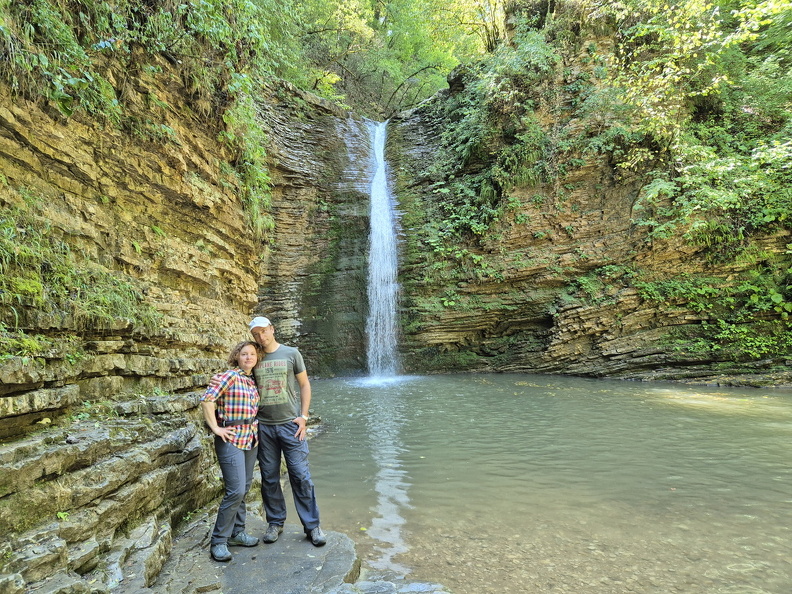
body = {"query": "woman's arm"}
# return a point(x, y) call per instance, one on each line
point(209, 408)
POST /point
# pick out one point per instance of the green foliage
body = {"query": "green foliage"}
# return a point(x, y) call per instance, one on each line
point(455, 261)
point(712, 87)
point(596, 286)
point(745, 318)
point(15, 343)
point(102, 410)
point(490, 127)
point(753, 340)
point(43, 45)
point(742, 319)
point(698, 293)
point(384, 57)
point(244, 133)
point(19, 343)
point(720, 197)
point(695, 100)
point(39, 270)
point(608, 125)
point(518, 164)
point(224, 50)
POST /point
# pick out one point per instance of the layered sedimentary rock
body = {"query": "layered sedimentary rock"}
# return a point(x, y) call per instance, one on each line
point(524, 307)
point(313, 275)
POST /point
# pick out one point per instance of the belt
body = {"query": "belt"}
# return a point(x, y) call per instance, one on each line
point(232, 422)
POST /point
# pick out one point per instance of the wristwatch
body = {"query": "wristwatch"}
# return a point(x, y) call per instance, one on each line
point(304, 417)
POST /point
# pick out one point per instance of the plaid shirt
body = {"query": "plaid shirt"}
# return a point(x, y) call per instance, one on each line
point(236, 398)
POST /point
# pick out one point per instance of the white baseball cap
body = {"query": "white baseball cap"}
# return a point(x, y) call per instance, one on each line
point(259, 321)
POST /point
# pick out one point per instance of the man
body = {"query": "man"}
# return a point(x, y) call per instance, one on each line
point(282, 415)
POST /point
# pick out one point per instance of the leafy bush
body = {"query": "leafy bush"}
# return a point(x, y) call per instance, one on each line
point(712, 88)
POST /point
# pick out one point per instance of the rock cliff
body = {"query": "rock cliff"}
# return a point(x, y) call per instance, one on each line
point(561, 274)
point(104, 450)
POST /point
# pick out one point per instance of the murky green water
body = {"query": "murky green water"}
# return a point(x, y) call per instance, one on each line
point(522, 483)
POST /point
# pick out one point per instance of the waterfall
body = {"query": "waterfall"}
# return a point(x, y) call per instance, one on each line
point(381, 327)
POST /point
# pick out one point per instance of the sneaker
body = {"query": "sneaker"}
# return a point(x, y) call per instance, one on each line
point(220, 552)
point(243, 540)
point(317, 537)
point(271, 535)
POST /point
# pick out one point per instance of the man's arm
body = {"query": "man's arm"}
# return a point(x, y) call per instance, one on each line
point(305, 402)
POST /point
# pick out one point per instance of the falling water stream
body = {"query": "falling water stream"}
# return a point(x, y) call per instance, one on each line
point(382, 357)
point(382, 353)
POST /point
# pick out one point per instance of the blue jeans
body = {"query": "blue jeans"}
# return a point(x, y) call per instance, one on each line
point(274, 440)
point(237, 468)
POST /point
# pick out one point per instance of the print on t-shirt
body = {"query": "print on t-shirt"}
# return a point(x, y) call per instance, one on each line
point(273, 376)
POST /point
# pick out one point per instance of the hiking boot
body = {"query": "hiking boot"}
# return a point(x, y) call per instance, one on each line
point(271, 535)
point(220, 552)
point(243, 540)
point(317, 537)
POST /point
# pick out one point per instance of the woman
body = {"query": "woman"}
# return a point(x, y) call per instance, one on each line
point(229, 406)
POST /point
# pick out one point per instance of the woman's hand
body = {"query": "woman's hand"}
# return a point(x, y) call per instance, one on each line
point(224, 433)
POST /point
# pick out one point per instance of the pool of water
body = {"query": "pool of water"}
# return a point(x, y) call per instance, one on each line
point(526, 483)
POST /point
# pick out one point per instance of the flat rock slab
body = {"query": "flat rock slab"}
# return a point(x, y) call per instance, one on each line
point(292, 565)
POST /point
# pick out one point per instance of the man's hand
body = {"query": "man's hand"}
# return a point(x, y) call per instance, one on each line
point(215, 381)
point(301, 431)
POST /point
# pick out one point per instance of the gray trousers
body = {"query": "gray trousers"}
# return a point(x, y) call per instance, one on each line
point(275, 440)
point(237, 468)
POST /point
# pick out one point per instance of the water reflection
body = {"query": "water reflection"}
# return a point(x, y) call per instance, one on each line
point(384, 418)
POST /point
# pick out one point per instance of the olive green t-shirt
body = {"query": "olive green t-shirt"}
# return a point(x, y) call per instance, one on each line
point(279, 398)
